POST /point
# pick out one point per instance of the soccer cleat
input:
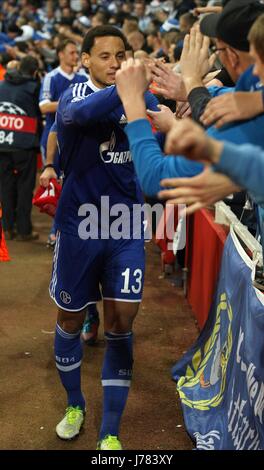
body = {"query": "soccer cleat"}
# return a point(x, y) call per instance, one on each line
point(109, 443)
point(90, 330)
point(70, 426)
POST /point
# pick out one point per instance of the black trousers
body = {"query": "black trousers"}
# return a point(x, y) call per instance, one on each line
point(17, 182)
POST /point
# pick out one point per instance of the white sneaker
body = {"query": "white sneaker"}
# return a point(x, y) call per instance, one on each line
point(70, 426)
point(109, 443)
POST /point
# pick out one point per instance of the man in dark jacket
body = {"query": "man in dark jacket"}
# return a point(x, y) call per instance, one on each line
point(19, 143)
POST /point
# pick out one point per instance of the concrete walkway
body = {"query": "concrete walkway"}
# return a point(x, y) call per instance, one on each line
point(32, 400)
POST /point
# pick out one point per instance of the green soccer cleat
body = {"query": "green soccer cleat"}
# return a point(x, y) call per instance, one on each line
point(69, 427)
point(109, 443)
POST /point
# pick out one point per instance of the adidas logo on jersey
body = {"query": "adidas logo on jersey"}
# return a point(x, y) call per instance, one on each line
point(123, 119)
point(78, 98)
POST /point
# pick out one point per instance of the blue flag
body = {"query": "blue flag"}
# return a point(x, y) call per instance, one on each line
point(220, 380)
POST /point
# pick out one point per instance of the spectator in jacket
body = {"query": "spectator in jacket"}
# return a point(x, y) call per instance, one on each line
point(19, 143)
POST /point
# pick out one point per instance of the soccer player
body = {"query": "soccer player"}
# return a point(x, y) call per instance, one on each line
point(92, 260)
point(52, 87)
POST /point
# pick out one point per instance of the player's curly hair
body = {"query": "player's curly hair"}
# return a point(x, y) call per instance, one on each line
point(101, 31)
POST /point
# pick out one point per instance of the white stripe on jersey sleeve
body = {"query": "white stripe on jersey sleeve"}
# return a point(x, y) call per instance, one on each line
point(74, 90)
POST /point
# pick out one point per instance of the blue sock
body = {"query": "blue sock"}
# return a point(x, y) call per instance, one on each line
point(116, 379)
point(68, 356)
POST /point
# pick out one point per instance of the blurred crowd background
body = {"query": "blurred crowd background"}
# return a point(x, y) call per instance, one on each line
point(37, 27)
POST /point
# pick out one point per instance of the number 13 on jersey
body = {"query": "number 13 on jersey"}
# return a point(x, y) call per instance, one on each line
point(132, 281)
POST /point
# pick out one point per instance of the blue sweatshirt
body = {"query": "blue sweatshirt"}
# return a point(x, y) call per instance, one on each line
point(249, 173)
point(149, 160)
point(152, 165)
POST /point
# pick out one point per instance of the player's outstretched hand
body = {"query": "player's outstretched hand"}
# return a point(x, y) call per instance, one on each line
point(132, 79)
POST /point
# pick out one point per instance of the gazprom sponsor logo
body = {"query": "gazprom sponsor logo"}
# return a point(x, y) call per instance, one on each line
point(108, 155)
point(119, 157)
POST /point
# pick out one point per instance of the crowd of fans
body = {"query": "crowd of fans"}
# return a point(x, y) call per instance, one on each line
point(37, 27)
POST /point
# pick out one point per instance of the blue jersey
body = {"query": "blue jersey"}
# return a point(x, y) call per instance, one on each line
point(94, 153)
point(52, 87)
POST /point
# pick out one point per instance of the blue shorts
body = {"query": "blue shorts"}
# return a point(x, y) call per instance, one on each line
point(84, 271)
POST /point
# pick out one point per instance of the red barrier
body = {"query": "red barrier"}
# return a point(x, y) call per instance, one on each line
point(205, 243)
point(167, 223)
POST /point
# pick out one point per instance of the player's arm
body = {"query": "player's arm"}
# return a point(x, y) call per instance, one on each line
point(46, 102)
point(151, 101)
point(48, 107)
point(49, 171)
point(77, 108)
point(149, 161)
